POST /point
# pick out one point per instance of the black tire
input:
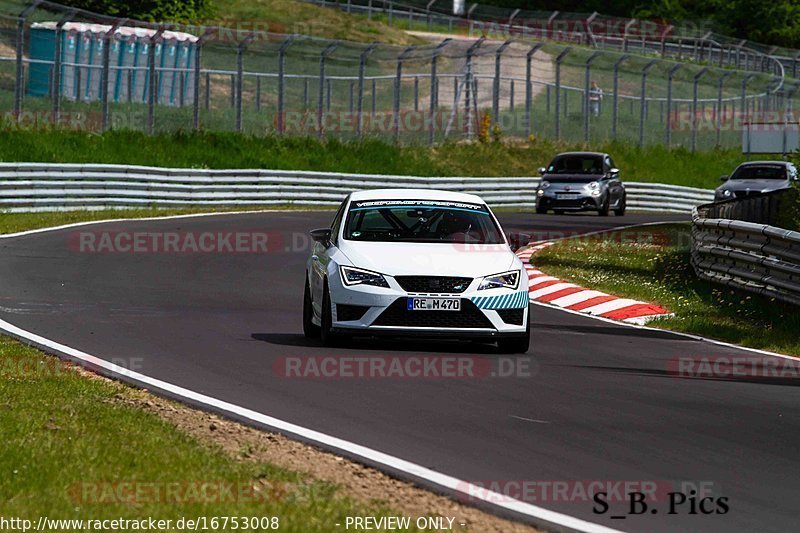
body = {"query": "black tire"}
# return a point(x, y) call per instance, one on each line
point(620, 211)
point(310, 330)
point(517, 344)
point(603, 211)
point(541, 210)
point(328, 336)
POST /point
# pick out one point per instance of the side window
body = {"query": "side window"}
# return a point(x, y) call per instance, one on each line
point(337, 221)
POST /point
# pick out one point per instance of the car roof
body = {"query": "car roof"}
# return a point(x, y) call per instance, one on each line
point(415, 194)
point(582, 154)
point(755, 163)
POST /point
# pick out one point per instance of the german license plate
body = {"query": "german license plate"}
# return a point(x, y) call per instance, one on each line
point(566, 196)
point(434, 304)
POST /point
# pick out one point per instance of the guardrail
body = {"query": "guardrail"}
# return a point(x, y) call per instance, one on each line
point(749, 256)
point(26, 187)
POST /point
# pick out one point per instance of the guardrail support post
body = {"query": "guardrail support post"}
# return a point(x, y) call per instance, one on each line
point(529, 88)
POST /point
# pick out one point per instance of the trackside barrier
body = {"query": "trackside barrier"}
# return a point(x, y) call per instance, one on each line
point(748, 256)
point(26, 187)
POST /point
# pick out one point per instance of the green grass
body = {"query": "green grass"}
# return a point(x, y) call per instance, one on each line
point(230, 150)
point(290, 16)
point(64, 435)
point(652, 265)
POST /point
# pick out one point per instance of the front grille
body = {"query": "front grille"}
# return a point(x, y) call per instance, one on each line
point(746, 194)
point(350, 312)
point(398, 315)
point(512, 316)
point(433, 284)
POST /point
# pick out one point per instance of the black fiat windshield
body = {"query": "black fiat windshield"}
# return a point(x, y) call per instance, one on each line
point(421, 221)
point(576, 164)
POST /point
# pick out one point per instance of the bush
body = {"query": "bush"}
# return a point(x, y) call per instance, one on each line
point(148, 10)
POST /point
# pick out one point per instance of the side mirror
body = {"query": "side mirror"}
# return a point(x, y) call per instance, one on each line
point(542, 170)
point(723, 178)
point(322, 236)
point(518, 240)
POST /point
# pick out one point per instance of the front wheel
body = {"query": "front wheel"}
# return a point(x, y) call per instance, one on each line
point(541, 210)
point(620, 211)
point(603, 211)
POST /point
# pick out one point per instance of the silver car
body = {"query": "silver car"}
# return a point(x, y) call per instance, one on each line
point(756, 177)
point(581, 181)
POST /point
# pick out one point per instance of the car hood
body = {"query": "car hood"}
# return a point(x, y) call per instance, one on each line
point(577, 180)
point(431, 259)
point(754, 185)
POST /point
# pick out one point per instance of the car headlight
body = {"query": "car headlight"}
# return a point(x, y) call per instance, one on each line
point(359, 276)
point(544, 184)
point(726, 193)
point(592, 185)
point(506, 280)
point(540, 192)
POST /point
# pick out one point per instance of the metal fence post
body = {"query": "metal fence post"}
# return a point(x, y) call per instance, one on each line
point(670, 77)
point(559, 59)
point(586, 89)
point(743, 101)
point(152, 84)
point(434, 99)
point(625, 35)
point(643, 106)
point(57, 66)
point(529, 89)
point(397, 83)
point(321, 97)
point(108, 37)
point(240, 76)
point(718, 114)
point(696, 82)
point(281, 81)
point(615, 96)
point(496, 89)
point(19, 82)
point(468, 81)
point(196, 89)
point(362, 66)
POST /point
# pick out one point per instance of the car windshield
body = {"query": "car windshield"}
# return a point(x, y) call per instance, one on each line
point(421, 221)
point(760, 172)
point(576, 164)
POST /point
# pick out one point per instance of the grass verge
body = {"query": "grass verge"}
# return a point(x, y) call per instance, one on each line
point(74, 448)
point(652, 265)
point(231, 150)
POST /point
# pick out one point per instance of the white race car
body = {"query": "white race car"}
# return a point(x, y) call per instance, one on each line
point(416, 262)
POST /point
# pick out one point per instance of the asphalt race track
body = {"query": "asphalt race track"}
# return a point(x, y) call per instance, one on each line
point(599, 404)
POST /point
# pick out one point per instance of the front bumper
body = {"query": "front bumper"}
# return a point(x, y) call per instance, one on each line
point(578, 201)
point(496, 313)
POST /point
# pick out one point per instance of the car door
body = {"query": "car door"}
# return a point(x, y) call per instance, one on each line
point(321, 258)
point(615, 187)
